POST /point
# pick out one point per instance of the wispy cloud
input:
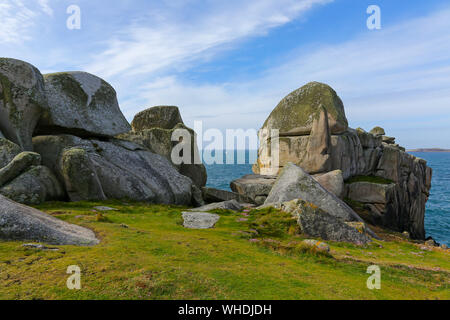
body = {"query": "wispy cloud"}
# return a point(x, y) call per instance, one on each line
point(170, 41)
point(45, 6)
point(18, 17)
point(395, 77)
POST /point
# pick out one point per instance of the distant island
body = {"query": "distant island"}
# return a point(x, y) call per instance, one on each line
point(430, 150)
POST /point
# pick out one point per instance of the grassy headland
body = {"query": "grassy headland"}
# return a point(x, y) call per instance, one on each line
point(145, 253)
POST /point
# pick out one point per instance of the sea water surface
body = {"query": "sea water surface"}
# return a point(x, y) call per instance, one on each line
point(437, 217)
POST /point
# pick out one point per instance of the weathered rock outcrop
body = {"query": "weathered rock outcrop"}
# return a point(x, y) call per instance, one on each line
point(22, 99)
point(155, 129)
point(319, 150)
point(295, 114)
point(315, 222)
point(294, 183)
point(23, 179)
point(75, 117)
point(8, 150)
point(116, 169)
point(164, 117)
point(256, 187)
point(19, 164)
point(34, 186)
point(19, 222)
point(333, 182)
point(58, 141)
point(82, 104)
point(79, 176)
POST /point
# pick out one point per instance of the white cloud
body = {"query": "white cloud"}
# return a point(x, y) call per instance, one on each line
point(397, 77)
point(45, 6)
point(18, 18)
point(167, 41)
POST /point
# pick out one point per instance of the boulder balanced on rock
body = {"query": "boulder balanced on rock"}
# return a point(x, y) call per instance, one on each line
point(154, 128)
point(306, 141)
point(82, 104)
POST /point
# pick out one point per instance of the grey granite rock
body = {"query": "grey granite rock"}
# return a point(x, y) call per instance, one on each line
point(294, 183)
point(212, 195)
point(18, 165)
point(256, 187)
point(34, 186)
point(124, 169)
point(315, 222)
point(83, 104)
point(19, 222)
point(226, 205)
point(22, 100)
point(200, 220)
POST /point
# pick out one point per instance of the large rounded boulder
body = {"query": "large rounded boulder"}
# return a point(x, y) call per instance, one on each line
point(92, 169)
point(155, 129)
point(82, 104)
point(164, 117)
point(295, 114)
point(22, 99)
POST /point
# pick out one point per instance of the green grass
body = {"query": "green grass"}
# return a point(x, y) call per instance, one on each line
point(371, 179)
point(145, 253)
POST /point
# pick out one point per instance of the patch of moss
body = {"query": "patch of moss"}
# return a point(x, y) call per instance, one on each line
point(271, 222)
point(354, 204)
point(69, 85)
point(302, 106)
point(15, 115)
point(103, 95)
point(371, 179)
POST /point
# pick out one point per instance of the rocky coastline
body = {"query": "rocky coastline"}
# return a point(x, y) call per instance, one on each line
point(63, 137)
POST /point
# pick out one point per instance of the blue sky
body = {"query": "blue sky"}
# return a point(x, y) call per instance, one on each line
point(229, 63)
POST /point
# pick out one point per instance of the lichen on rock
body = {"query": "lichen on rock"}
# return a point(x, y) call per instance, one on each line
point(22, 100)
point(296, 113)
point(83, 104)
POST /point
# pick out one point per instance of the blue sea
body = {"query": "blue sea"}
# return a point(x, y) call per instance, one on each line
point(437, 218)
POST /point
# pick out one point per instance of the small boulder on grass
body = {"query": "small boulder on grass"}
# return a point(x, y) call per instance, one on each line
point(199, 220)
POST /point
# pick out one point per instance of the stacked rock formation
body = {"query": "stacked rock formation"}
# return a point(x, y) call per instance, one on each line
point(314, 135)
point(60, 141)
point(154, 128)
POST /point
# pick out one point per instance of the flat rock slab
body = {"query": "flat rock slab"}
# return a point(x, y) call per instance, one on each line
point(216, 195)
point(102, 208)
point(21, 223)
point(38, 247)
point(254, 186)
point(367, 192)
point(294, 183)
point(226, 205)
point(200, 220)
